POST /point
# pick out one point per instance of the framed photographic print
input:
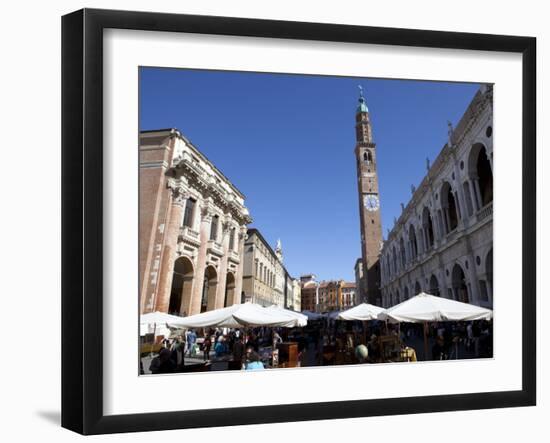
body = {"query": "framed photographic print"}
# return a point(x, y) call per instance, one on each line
point(269, 221)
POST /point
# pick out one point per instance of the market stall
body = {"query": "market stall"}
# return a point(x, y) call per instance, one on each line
point(424, 308)
point(247, 316)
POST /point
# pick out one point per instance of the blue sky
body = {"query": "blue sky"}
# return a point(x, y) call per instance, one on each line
point(287, 142)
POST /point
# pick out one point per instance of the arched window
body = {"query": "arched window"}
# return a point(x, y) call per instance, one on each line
point(434, 286)
point(413, 244)
point(448, 204)
point(481, 175)
point(428, 228)
point(485, 175)
point(460, 288)
point(417, 288)
point(406, 292)
point(402, 252)
point(394, 258)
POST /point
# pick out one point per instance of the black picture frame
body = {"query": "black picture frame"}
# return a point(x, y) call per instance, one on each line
point(82, 215)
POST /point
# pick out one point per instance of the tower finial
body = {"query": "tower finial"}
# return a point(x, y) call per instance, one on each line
point(362, 103)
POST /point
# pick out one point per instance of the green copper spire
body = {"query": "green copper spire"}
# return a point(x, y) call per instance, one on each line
point(362, 104)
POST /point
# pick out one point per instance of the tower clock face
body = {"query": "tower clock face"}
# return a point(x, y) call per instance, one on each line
point(371, 202)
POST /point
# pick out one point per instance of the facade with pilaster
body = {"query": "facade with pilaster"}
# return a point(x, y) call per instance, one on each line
point(265, 280)
point(309, 296)
point(192, 227)
point(442, 243)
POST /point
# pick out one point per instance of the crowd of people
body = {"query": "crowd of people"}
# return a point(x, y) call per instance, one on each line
point(323, 343)
point(240, 351)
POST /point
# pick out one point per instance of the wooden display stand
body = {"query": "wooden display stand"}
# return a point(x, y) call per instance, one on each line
point(288, 354)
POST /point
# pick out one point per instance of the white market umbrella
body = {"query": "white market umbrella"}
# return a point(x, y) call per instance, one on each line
point(152, 320)
point(362, 312)
point(301, 318)
point(425, 307)
point(241, 315)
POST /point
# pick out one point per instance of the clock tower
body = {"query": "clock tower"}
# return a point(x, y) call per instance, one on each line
point(369, 204)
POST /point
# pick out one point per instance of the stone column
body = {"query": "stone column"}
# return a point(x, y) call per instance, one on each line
point(206, 213)
point(459, 206)
point(446, 220)
point(477, 193)
point(222, 270)
point(169, 254)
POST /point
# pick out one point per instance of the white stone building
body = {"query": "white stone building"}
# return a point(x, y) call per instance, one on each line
point(442, 243)
point(264, 275)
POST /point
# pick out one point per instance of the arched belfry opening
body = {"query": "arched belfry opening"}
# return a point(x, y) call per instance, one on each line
point(208, 299)
point(229, 290)
point(182, 285)
point(367, 157)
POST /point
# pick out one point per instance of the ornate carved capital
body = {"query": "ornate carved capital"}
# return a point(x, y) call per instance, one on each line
point(180, 193)
point(207, 211)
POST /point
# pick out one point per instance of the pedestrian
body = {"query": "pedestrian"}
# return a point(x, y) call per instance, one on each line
point(220, 347)
point(178, 354)
point(191, 339)
point(476, 332)
point(238, 350)
point(470, 336)
point(253, 343)
point(207, 344)
point(438, 349)
point(254, 363)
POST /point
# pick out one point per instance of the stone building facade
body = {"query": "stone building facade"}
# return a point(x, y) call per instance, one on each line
point(296, 296)
point(309, 293)
point(442, 243)
point(336, 295)
point(265, 279)
point(349, 295)
point(192, 228)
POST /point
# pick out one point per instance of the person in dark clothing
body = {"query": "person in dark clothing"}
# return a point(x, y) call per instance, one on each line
point(162, 364)
point(238, 350)
point(206, 346)
point(438, 349)
point(177, 355)
point(253, 343)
